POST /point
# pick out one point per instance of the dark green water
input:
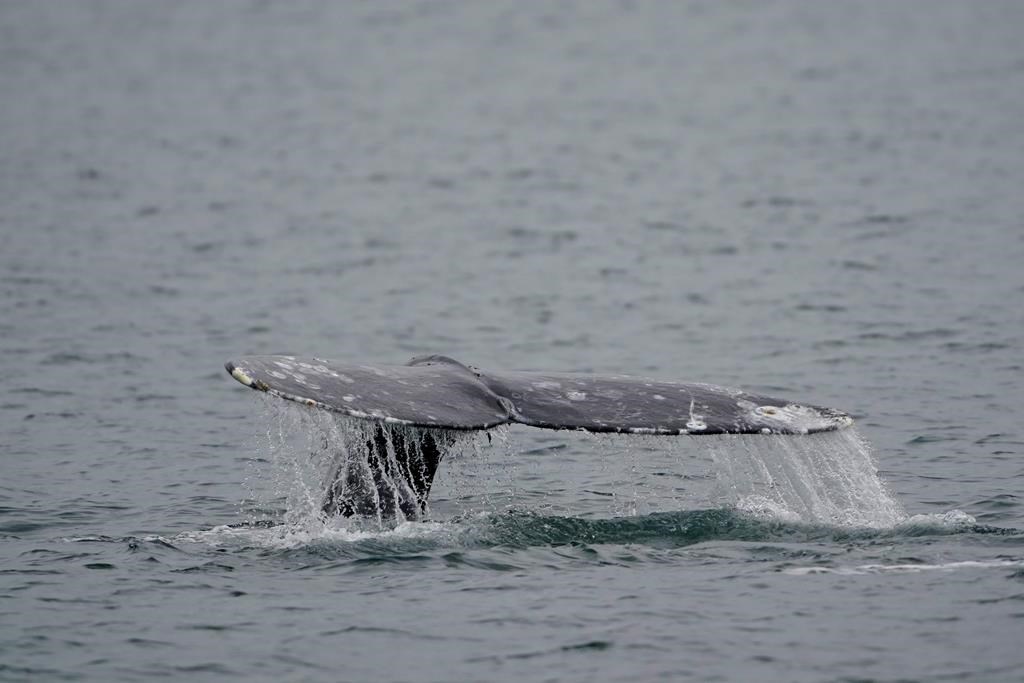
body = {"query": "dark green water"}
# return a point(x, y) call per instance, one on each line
point(814, 200)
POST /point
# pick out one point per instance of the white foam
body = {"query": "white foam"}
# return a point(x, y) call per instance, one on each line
point(905, 568)
point(287, 536)
point(761, 507)
point(949, 520)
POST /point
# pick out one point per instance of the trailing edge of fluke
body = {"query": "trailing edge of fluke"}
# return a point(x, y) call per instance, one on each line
point(439, 392)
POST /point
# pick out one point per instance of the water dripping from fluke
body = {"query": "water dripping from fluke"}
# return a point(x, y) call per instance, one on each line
point(341, 474)
point(332, 471)
point(827, 478)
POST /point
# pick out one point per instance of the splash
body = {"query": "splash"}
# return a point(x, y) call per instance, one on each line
point(313, 531)
point(828, 478)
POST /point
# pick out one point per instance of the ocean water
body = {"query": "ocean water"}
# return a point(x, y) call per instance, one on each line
point(820, 201)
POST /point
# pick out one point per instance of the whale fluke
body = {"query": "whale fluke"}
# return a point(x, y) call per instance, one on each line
point(435, 396)
point(438, 392)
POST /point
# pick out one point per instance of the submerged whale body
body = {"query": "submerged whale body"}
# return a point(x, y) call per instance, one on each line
point(438, 396)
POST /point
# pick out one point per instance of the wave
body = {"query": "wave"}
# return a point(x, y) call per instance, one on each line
point(519, 529)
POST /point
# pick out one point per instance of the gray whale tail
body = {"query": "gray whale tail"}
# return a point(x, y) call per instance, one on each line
point(439, 395)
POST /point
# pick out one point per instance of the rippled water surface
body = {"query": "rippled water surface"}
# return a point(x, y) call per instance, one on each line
point(820, 201)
